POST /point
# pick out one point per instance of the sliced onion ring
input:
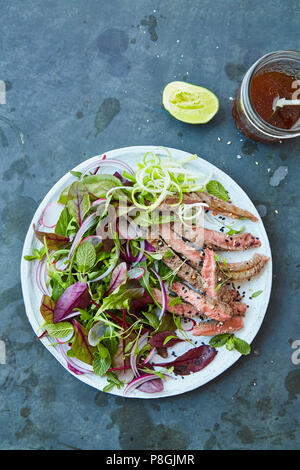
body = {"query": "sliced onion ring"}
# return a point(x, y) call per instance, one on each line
point(40, 275)
point(50, 214)
point(136, 382)
point(133, 357)
point(74, 365)
point(163, 294)
point(108, 271)
point(107, 162)
point(87, 223)
point(136, 273)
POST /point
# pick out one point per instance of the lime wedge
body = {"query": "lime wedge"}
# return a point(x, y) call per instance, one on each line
point(190, 103)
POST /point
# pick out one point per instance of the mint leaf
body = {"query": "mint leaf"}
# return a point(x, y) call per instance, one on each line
point(217, 189)
point(219, 340)
point(59, 330)
point(85, 256)
point(63, 222)
point(152, 319)
point(230, 344)
point(102, 360)
point(241, 346)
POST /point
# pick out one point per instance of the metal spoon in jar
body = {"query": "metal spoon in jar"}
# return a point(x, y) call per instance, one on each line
point(280, 102)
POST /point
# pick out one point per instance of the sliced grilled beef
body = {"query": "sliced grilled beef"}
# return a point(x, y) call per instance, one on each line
point(212, 308)
point(211, 328)
point(183, 309)
point(177, 265)
point(220, 241)
point(215, 204)
point(246, 269)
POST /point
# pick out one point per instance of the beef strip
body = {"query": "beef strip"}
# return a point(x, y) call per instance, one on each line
point(183, 309)
point(176, 264)
point(211, 328)
point(212, 308)
point(214, 204)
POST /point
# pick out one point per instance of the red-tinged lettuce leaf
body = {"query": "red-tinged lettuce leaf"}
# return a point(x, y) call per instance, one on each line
point(192, 361)
point(54, 240)
point(47, 308)
point(74, 297)
point(118, 277)
point(80, 346)
point(78, 201)
point(118, 361)
point(136, 305)
point(159, 339)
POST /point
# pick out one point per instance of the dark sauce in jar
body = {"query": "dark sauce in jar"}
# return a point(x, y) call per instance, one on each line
point(268, 86)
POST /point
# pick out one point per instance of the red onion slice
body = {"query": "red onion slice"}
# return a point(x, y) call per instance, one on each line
point(95, 240)
point(141, 253)
point(88, 223)
point(73, 364)
point(107, 162)
point(187, 324)
point(139, 381)
point(61, 265)
point(136, 273)
point(109, 270)
point(152, 386)
point(50, 214)
point(133, 357)
point(163, 294)
point(150, 355)
point(39, 276)
point(97, 202)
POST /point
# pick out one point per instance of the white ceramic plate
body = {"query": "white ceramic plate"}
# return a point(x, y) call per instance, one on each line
point(257, 306)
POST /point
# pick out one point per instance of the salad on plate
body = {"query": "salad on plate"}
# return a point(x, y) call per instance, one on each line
point(132, 263)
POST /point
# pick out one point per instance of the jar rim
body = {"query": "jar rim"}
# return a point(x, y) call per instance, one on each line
point(255, 118)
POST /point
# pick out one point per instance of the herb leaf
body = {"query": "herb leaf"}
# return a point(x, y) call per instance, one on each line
point(112, 381)
point(231, 342)
point(216, 189)
point(241, 346)
point(219, 340)
point(85, 256)
point(37, 254)
point(59, 330)
point(102, 360)
point(63, 222)
point(256, 294)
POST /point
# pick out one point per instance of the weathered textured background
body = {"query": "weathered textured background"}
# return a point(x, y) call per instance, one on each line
point(87, 76)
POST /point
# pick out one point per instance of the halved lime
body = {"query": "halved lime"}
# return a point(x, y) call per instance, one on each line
point(190, 103)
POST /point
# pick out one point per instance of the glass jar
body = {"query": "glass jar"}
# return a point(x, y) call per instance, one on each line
point(246, 118)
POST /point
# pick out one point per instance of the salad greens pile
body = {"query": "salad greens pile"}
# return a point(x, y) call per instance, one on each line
point(97, 283)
